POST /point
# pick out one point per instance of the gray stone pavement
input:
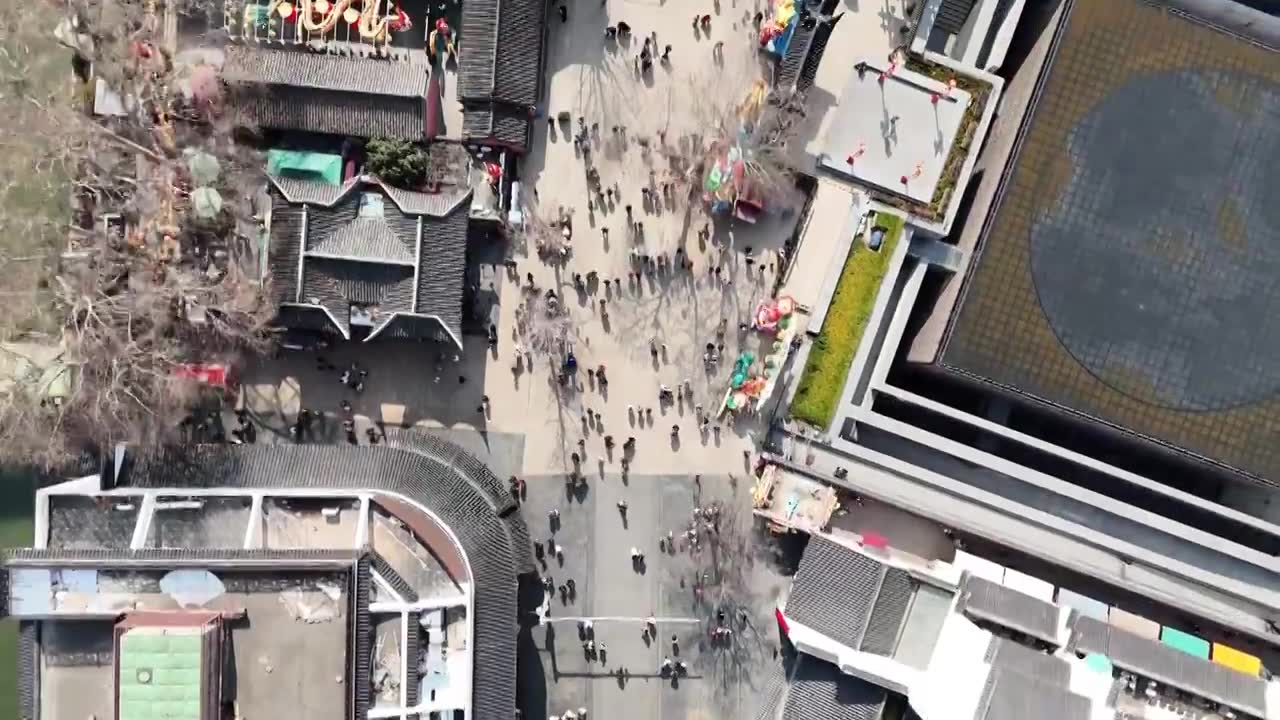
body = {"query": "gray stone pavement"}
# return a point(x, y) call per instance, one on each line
point(722, 681)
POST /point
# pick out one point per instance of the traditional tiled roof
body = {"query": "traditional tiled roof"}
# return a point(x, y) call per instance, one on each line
point(28, 670)
point(521, 29)
point(361, 97)
point(314, 192)
point(849, 597)
point(409, 264)
point(337, 285)
point(496, 125)
point(1010, 694)
point(364, 239)
point(332, 113)
point(813, 58)
point(819, 691)
point(513, 30)
point(984, 600)
point(320, 71)
point(444, 267)
point(426, 469)
point(479, 56)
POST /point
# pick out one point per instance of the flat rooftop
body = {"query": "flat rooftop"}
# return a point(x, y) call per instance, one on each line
point(288, 644)
point(892, 130)
point(1127, 271)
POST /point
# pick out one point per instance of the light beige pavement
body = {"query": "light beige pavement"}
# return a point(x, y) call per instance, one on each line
point(680, 310)
point(420, 384)
point(869, 30)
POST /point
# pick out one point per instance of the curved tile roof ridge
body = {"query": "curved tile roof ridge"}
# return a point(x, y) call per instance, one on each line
point(417, 471)
point(504, 504)
point(410, 202)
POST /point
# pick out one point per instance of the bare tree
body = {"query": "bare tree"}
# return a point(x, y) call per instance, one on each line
point(545, 327)
point(755, 130)
point(722, 545)
point(551, 236)
point(151, 267)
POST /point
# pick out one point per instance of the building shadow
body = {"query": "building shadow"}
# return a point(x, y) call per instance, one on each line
point(531, 677)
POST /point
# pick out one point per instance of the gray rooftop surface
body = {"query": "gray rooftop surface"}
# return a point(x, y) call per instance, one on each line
point(461, 490)
point(325, 93)
point(1012, 695)
point(849, 597)
point(901, 132)
point(218, 522)
point(503, 59)
point(1169, 666)
point(374, 261)
point(819, 691)
point(923, 625)
point(984, 600)
point(1125, 270)
point(80, 522)
point(322, 71)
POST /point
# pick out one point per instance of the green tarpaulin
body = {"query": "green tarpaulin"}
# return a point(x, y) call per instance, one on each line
point(305, 165)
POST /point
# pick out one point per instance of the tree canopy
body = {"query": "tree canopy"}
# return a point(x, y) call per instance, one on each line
point(397, 162)
point(130, 239)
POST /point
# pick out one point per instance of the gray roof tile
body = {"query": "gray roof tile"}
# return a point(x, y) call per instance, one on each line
point(315, 192)
point(319, 71)
point(521, 28)
point(479, 56)
point(28, 670)
point(1011, 655)
point(337, 285)
point(444, 266)
point(512, 29)
point(405, 466)
point(490, 124)
point(365, 238)
point(835, 592)
point(332, 113)
point(1172, 667)
point(335, 234)
point(1012, 695)
point(315, 92)
point(788, 68)
point(984, 600)
point(819, 691)
point(888, 613)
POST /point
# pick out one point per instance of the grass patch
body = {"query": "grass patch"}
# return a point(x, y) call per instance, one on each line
point(833, 350)
point(33, 189)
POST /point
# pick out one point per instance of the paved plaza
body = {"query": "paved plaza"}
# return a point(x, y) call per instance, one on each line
point(668, 113)
point(724, 679)
point(532, 424)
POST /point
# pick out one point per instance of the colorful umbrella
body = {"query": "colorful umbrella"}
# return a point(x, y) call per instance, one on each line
point(206, 202)
point(203, 167)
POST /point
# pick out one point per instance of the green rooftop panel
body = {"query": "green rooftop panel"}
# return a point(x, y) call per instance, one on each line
point(160, 676)
point(322, 167)
point(1186, 642)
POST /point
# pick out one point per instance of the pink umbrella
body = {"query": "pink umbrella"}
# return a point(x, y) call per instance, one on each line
point(204, 84)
